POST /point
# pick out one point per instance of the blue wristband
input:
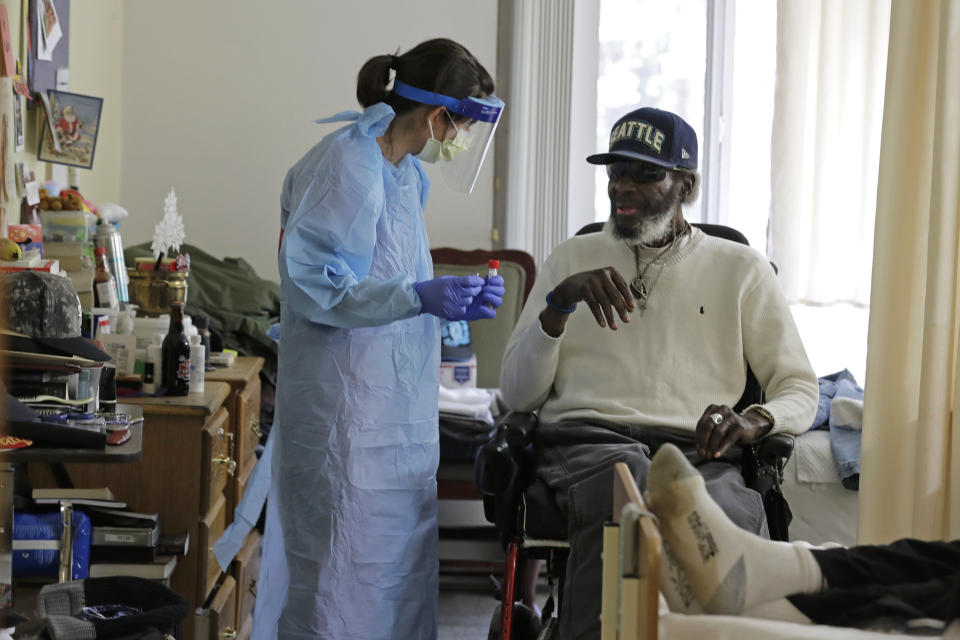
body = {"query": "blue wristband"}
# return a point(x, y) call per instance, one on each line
point(553, 305)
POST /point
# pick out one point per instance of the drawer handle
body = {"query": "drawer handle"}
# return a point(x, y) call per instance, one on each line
point(228, 633)
point(230, 462)
point(223, 433)
point(255, 427)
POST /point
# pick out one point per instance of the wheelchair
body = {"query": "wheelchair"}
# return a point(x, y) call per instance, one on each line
point(531, 527)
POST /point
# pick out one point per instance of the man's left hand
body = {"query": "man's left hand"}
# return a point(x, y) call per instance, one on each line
point(720, 428)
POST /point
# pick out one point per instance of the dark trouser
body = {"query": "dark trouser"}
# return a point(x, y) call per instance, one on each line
point(576, 460)
point(904, 580)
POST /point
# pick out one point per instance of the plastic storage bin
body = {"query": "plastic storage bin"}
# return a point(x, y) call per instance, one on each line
point(68, 226)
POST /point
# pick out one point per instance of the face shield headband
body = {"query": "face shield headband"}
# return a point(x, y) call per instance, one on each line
point(483, 113)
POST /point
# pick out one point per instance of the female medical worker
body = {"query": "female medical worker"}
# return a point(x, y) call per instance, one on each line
point(351, 543)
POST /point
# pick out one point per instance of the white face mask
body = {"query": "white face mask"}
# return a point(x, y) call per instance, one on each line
point(445, 150)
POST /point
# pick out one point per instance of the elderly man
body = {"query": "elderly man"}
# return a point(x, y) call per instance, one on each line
point(641, 335)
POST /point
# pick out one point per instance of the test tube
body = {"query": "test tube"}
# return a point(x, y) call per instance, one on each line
point(493, 268)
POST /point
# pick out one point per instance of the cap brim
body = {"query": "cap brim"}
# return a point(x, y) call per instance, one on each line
point(78, 346)
point(618, 156)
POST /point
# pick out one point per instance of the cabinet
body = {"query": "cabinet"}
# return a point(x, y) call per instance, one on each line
point(244, 407)
point(244, 404)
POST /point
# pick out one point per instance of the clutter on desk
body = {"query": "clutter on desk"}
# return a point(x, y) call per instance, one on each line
point(156, 284)
point(175, 355)
point(61, 385)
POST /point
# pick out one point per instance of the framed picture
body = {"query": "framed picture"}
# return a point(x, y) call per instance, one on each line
point(74, 122)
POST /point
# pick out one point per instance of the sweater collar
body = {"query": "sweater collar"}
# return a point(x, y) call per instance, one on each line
point(684, 247)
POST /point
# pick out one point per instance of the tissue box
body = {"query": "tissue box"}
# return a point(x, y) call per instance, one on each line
point(36, 544)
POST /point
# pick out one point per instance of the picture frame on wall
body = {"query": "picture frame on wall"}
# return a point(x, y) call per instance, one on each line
point(74, 122)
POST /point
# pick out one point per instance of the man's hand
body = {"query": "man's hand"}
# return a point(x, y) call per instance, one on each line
point(603, 290)
point(720, 428)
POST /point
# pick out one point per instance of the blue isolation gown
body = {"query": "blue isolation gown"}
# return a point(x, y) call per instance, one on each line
point(350, 549)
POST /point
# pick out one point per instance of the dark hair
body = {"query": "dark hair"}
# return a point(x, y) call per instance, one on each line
point(439, 65)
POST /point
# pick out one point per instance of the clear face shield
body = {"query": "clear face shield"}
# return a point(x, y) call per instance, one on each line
point(463, 156)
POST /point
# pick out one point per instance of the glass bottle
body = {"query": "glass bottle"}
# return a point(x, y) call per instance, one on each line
point(104, 285)
point(176, 355)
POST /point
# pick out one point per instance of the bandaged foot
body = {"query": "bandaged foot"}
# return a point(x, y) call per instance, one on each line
point(728, 569)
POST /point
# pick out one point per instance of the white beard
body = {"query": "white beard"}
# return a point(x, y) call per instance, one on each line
point(654, 230)
point(651, 231)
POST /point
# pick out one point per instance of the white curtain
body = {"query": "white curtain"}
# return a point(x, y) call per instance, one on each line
point(831, 61)
point(910, 474)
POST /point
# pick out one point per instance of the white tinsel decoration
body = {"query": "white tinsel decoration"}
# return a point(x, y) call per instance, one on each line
point(168, 235)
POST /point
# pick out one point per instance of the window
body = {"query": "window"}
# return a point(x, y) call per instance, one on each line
point(682, 56)
point(713, 62)
point(652, 53)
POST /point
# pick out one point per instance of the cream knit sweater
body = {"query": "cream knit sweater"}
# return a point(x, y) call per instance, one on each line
point(715, 307)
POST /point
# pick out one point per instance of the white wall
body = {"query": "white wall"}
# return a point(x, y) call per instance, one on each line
point(219, 98)
point(96, 69)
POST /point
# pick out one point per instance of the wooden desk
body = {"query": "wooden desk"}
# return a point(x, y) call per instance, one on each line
point(181, 476)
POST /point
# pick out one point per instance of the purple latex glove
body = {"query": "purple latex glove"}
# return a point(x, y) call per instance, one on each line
point(448, 296)
point(485, 305)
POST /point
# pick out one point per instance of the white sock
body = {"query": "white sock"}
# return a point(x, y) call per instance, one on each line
point(782, 610)
point(674, 584)
point(728, 569)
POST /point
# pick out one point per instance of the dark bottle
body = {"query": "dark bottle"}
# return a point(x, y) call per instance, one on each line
point(104, 285)
point(175, 356)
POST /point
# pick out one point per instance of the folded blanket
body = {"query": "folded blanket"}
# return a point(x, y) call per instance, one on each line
point(469, 403)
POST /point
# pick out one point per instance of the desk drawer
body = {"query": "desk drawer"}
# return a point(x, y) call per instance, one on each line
point(246, 570)
point(237, 486)
point(247, 420)
point(211, 528)
point(216, 462)
point(217, 619)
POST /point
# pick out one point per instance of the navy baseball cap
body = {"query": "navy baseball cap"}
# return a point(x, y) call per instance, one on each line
point(651, 135)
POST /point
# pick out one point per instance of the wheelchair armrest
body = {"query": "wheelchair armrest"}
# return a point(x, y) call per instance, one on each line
point(765, 460)
point(497, 461)
point(775, 448)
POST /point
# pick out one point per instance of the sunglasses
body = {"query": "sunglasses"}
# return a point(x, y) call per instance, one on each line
point(636, 170)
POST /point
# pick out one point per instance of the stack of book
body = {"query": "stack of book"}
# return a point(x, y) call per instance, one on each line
point(123, 542)
point(126, 543)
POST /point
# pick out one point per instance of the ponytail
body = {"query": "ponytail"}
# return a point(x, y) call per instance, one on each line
point(373, 79)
